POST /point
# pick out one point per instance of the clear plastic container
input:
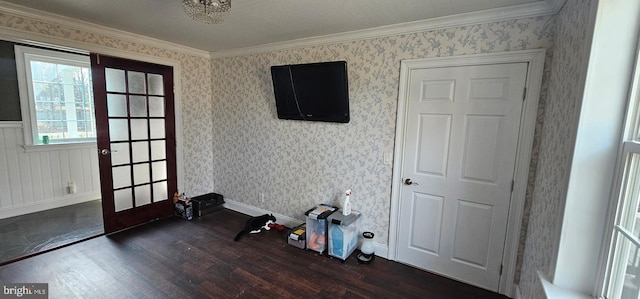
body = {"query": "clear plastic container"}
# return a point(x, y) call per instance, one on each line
point(317, 227)
point(343, 234)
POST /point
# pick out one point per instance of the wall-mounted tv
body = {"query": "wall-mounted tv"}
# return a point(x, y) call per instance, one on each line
point(312, 91)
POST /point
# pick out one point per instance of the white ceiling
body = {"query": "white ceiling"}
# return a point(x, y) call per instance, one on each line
point(259, 22)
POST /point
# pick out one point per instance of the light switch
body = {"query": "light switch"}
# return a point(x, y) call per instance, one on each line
point(388, 158)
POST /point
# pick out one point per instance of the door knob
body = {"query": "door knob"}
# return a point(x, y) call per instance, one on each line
point(409, 182)
point(105, 152)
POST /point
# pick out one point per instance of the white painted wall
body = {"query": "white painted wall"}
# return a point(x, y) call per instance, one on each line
point(37, 180)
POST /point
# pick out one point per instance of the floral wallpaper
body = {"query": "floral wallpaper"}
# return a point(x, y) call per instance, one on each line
point(297, 165)
point(235, 145)
point(195, 100)
point(555, 149)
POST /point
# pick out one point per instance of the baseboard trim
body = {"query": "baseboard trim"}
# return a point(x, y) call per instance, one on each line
point(47, 205)
point(255, 211)
point(381, 250)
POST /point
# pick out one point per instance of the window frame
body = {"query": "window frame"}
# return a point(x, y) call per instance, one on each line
point(626, 184)
point(24, 55)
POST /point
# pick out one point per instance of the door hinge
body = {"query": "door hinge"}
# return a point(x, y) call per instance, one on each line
point(524, 94)
point(512, 184)
point(98, 59)
point(501, 266)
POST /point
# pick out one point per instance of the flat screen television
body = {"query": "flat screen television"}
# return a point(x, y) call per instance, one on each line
point(312, 91)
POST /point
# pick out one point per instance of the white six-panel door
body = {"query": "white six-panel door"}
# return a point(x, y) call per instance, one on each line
point(461, 137)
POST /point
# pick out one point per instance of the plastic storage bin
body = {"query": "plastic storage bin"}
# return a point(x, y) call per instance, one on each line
point(207, 203)
point(317, 227)
point(183, 209)
point(343, 234)
point(298, 237)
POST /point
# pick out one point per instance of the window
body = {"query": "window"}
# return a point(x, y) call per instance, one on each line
point(56, 96)
point(623, 269)
point(624, 280)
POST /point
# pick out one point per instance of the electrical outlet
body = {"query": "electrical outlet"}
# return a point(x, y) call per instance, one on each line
point(71, 188)
point(261, 197)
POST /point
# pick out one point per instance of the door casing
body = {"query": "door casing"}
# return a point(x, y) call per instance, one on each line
point(536, 59)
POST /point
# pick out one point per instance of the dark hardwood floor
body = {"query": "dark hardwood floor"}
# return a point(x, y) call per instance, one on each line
point(173, 258)
point(36, 232)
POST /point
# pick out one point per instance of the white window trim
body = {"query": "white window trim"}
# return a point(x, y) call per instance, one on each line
point(580, 255)
point(23, 55)
point(629, 145)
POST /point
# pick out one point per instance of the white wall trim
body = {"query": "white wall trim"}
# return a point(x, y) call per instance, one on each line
point(534, 9)
point(49, 204)
point(380, 249)
point(535, 58)
point(97, 29)
point(552, 291)
point(10, 124)
point(58, 147)
point(255, 211)
point(57, 43)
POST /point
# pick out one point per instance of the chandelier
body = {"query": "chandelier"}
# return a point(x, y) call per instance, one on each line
point(207, 11)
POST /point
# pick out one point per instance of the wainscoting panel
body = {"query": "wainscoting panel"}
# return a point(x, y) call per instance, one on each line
point(37, 180)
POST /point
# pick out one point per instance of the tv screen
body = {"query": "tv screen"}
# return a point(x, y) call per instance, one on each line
point(313, 91)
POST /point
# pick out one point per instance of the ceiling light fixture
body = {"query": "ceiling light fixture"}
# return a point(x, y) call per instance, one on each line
point(207, 11)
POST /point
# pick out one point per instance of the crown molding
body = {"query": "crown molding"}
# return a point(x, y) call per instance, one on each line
point(97, 29)
point(540, 8)
point(528, 10)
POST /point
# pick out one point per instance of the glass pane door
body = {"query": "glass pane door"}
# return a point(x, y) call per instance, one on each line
point(136, 139)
